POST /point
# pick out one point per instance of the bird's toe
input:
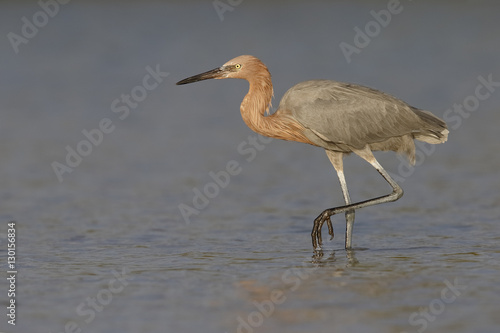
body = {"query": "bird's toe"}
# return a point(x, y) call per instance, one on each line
point(330, 228)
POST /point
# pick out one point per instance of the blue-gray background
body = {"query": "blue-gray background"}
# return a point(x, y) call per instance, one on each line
point(118, 210)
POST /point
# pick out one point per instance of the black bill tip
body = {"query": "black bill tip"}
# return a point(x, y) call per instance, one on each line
point(215, 73)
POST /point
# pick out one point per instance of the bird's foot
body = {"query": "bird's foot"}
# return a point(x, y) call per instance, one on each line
point(318, 224)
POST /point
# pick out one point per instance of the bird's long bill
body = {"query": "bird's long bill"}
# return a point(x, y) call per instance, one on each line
point(212, 74)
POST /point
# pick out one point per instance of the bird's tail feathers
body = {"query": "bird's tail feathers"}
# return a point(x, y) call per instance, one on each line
point(434, 130)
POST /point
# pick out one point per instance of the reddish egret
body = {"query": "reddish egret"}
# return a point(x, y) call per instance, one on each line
point(340, 117)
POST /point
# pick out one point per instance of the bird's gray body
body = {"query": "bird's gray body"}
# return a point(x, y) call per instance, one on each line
point(341, 117)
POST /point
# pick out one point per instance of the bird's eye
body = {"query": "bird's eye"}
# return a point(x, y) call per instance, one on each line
point(237, 66)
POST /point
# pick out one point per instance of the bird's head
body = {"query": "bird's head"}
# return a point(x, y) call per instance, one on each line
point(242, 67)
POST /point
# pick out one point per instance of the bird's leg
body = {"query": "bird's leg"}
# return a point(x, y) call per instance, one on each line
point(325, 216)
point(349, 224)
point(349, 215)
point(337, 161)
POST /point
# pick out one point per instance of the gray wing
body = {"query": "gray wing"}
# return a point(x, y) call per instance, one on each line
point(348, 114)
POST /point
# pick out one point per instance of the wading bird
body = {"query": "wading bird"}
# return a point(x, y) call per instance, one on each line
point(340, 117)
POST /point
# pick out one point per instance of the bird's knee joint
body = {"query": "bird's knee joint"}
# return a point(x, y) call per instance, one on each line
point(397, 193)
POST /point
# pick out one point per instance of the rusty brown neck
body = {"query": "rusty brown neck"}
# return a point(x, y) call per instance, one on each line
point(256, 105)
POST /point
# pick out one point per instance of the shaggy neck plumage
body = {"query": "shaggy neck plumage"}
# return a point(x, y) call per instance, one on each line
point(255, 107)
point(256, 104)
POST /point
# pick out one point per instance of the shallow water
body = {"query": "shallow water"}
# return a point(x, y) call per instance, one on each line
point(106, 249)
